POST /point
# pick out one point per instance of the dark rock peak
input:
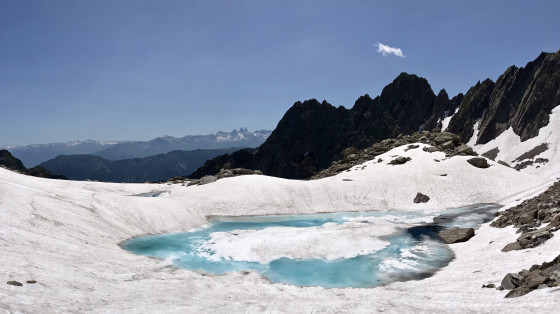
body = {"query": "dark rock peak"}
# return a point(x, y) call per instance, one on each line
point(313, 134)
point(471, 109)
point(10, 162)
point(522, 98)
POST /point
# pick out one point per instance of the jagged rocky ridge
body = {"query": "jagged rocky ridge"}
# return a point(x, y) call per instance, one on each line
point(313, 134)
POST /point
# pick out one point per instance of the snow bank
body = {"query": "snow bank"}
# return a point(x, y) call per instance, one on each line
point(65, 235)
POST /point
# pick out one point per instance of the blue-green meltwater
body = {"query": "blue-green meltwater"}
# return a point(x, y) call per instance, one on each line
point(344, 249)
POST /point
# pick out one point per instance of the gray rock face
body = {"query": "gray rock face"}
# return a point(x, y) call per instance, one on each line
point(521, 98)
point(479, 162)
point(512, 247)
point(537, 277)
point(207, 179)
point(421, 198)
point(456, 235)
point(510, 281)
point(465, 150)
point(492, 154)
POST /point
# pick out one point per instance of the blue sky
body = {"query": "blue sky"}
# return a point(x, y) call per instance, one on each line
point(132, 70)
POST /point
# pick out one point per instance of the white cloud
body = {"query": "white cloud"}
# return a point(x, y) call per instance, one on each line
point(384, 50)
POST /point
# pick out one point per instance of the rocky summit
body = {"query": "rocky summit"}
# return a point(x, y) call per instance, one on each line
point(313, 134)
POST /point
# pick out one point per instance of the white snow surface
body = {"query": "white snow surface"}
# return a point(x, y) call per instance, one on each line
point(329, 241)
point(445, 121)
point(66, 236)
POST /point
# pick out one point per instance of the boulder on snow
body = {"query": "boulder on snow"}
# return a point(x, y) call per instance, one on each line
point(446, 136)
point(512, 247)
point(510, 281)
point(14, 283)
point(207, 179)
point(479, 162)
point(465, 150)
point(455, 235)
point(421, 198)
point(400, 160)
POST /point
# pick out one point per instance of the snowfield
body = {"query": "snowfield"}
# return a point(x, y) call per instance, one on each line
point(66, 235)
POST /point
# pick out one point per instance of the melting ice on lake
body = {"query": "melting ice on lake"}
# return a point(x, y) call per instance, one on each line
point(344, 249)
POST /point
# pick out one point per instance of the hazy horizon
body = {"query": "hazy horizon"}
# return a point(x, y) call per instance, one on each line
point(137, 70)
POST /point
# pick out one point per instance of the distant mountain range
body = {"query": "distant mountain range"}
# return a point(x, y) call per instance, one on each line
point(32, 155)
point(154, 168)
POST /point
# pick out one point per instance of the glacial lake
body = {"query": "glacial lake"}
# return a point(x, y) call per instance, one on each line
point(334, 250)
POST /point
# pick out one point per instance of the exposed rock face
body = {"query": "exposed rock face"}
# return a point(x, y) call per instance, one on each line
point(207, 179)
point(421, 198)
point(534, 152)
point(10, 162)
point(538, 276)
point(479, 162)
point(471, 109)
point(456, 235)
point(491, 154)
point(521, 98)
point(529, 216)
point(312, 135)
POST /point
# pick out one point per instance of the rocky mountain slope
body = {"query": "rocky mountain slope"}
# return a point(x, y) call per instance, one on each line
point(10, 162)
point(153, 168)
point(32, 155)
point(313, 134)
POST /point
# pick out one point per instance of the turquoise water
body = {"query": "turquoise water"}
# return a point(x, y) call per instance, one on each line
point(413, 253)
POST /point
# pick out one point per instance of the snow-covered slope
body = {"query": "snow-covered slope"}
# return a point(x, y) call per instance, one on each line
point(511, 148)
point(66, 235)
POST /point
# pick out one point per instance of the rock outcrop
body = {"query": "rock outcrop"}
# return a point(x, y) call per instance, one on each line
point(456, 235)
point(445, 142)
point(537, 277)
point(479, 162)
point(421, 198)
point(529, 217)
point(10, 162)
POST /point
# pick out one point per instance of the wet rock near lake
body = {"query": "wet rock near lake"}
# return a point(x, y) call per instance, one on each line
point(536, 277)
point(446, 142)
point(456, 235)
point(529, 218)
point(479, 162)
point(421, 198)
